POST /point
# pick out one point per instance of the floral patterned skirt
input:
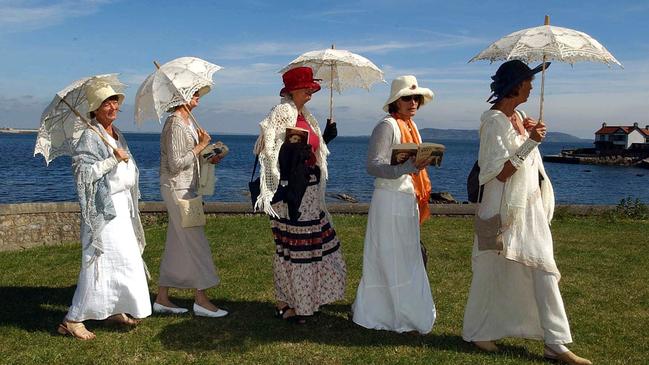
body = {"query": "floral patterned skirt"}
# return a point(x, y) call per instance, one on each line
point(308, 267)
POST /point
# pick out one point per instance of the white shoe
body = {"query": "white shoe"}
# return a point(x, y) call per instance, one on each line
point(202, 312)
point(162, 309)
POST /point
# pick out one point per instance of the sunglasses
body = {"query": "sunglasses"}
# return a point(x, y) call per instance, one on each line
point(409, 98)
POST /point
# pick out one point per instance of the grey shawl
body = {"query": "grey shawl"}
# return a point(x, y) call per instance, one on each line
point(91, 161)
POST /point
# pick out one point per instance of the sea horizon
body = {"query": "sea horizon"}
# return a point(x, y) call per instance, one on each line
point(28, 179)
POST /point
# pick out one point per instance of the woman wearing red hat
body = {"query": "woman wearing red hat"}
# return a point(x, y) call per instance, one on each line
point(515, 286)
point(308, 266)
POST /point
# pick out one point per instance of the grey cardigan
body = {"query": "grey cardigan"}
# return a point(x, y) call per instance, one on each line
point(178, 164)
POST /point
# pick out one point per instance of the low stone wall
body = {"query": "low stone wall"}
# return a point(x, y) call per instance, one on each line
point(43, 224)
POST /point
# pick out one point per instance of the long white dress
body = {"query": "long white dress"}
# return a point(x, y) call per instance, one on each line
point(515, 292)
point(394, 293)
point(114, 282)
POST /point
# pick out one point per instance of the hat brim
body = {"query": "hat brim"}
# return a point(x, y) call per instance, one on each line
point(120, 100)
point(426, 93)
point(313, 85)
point(517, 81)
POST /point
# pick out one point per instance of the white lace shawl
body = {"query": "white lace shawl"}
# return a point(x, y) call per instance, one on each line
point(498, 142)
point(271, 137)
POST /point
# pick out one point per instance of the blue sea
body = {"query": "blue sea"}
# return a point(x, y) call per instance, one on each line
point(24, 178)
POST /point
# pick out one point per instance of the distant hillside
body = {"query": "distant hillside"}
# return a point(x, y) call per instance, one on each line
point(472, 135)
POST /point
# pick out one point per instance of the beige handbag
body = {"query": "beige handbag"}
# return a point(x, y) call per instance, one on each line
point(191, 211)
point(490, 231)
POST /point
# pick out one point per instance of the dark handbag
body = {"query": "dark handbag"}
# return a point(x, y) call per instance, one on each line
point(473, 188)
point(254, 185)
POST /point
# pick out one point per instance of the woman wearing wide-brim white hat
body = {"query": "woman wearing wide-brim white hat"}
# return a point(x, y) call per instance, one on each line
point(112, 280)
point(394, 292)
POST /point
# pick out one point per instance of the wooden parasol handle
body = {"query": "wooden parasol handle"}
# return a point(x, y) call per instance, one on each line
point(189, 112)
point(331, 91)
point(547, 22)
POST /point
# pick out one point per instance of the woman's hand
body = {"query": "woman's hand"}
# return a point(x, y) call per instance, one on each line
point(423, 163)
point(538, 132)
point(120, 155)
point(330, 131)
point(529, 123)
point(203, 137)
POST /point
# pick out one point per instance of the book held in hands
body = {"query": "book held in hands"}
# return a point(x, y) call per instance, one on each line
point(296, 135)
point(403, 151)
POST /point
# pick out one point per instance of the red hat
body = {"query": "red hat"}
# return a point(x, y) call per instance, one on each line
point(299, 78)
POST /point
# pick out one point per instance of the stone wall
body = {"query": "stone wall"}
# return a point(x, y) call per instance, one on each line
point(42, 224)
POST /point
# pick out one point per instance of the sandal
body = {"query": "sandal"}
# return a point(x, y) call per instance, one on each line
point(75, 329)
point(122, 320)
point(279, 312)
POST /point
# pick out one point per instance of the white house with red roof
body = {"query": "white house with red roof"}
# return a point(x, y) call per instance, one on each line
point(621, 137)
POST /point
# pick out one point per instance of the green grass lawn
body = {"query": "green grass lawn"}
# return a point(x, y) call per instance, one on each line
point(604, 287)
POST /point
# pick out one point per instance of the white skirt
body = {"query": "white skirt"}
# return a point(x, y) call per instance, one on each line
point(115, 282)
point(509, 298)
point(394, 292)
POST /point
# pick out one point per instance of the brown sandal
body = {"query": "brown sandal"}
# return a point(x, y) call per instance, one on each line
point(75, 329)
point(122, 320)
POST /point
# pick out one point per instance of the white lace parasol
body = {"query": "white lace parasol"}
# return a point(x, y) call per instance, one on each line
point(553, 43)
point(547, 43)
point(173, 84)
point(338, 69)
point(60, 126)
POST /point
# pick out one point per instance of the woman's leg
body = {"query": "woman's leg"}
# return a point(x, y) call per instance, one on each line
point(201, 299)
point(163, 297)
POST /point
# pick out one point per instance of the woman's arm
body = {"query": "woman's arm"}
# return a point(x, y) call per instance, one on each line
point(180, 154)
point(537, 134)
point(86, 161)
point(379, 153)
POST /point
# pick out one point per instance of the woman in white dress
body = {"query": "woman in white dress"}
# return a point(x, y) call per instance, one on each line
point(515, 286)
point(394, 292)
point(113, 278)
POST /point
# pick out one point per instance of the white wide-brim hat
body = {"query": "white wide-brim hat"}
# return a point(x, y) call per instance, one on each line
point(407, 85)
point(97, 92)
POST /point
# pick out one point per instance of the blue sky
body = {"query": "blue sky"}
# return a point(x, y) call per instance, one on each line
point(47, 44)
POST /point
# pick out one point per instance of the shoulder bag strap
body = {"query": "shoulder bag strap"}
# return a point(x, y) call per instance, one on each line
point(254, 168)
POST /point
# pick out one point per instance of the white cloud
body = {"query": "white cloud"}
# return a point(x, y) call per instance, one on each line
point(24, 15)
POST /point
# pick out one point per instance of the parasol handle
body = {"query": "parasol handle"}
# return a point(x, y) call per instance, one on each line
point(331, 91)
point(74, 110)
point(547, 22)
point(185, 108)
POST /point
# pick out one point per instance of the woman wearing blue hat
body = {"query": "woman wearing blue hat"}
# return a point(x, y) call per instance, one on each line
point(515, 286)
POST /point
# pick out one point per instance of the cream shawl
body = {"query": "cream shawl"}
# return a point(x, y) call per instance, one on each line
point(271, 137)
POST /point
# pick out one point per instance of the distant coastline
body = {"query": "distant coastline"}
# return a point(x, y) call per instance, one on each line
point(18, 131)
point(428, 134)
point(473, 135)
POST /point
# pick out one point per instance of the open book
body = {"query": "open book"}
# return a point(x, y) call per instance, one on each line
point(403, 151)
point(296, 135)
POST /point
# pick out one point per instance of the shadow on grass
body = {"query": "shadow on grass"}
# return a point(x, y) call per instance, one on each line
point(34, 308)
point(41, 309)
point(251, 324)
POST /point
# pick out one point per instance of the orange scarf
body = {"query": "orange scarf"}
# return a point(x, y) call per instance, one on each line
point(419, 180)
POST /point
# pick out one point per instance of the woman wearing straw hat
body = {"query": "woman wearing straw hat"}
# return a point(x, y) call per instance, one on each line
point(187, 261)
point(308, 266)
point(394, 292)
point(112, 281)
point(515, 287)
